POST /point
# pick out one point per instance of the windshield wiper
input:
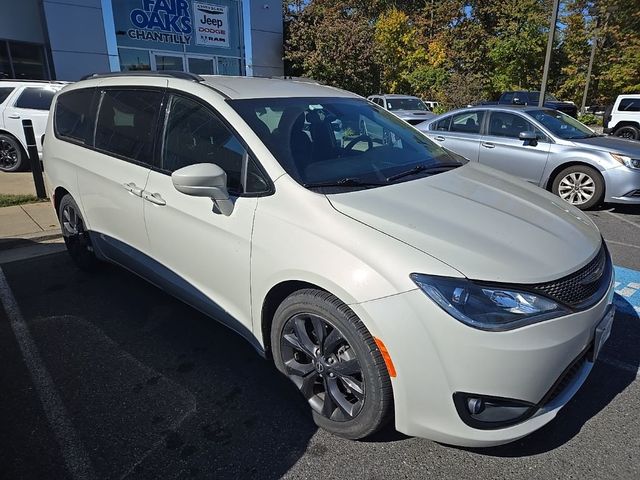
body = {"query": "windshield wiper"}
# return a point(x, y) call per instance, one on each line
point(423, 168)
point(343, 182)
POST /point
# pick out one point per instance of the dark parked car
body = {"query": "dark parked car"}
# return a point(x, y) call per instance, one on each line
point(531, 98)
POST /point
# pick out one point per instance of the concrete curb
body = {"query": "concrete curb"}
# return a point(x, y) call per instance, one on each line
point(7, 243)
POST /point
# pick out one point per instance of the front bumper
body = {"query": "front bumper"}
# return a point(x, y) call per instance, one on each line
point(622, 185)
point(436, 356)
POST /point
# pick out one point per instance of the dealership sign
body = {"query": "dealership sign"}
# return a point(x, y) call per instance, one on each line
point(211, 24)
point(167, 21)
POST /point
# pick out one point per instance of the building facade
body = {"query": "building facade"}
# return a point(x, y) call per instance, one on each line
point(68, 39)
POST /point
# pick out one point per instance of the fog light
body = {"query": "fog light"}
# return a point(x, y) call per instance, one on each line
point(475, 405)
point(486, 412)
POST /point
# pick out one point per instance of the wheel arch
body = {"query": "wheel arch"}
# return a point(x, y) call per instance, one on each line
point(626, 123)
point(561, 167)
point(7, 132)
point(274, 297)
point(58, 193)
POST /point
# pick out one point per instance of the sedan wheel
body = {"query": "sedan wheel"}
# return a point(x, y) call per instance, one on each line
point(579, 185)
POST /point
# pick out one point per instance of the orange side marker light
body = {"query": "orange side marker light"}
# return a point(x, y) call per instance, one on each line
point(387, 358)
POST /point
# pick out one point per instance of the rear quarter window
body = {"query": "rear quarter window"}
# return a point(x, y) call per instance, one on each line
point(629, 105)
point(4, 93)
point(35, 98)
point(74, 116)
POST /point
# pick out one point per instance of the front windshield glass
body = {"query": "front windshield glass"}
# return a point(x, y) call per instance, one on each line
point(535, 96)
point(562, 125)
point(347, 143)
point(405, 104)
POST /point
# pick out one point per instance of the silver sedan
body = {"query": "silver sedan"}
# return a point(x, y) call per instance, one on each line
point(544, 147)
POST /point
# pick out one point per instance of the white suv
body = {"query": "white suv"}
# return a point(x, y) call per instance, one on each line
point(623, 118)
point(384, 279)
point(22, 100)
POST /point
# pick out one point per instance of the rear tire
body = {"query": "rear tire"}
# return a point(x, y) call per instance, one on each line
point(628, 131)
point(76, 238)
point(12, 156)
point(328, 353)
point(579, 185)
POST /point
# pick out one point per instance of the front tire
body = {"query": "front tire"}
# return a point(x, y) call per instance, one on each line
point(628, 131)
point(12, 156)
point(76, 238)
point(328, 353)
point(579, 185)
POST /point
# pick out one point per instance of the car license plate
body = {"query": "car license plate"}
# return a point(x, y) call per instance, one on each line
point(603, 330)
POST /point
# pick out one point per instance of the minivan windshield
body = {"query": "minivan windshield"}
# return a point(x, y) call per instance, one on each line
point(562, 125)
point(406, 103)
point(342, 143)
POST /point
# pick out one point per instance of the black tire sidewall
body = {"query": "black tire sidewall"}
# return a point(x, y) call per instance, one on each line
point(597, 180)
point(21, 164)
point(378, 401)
point(635, 132)
point(82, 257)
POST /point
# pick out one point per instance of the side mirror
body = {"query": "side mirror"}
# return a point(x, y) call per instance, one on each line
point(529, 138)
point(516, 101)
point(204, 180)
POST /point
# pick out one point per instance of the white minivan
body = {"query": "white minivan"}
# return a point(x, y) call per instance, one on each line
point(386, 278)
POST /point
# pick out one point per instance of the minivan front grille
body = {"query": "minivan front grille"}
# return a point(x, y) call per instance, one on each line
point(584, 287)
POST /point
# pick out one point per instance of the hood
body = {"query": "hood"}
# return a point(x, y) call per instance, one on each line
point(486, 224)
point(630, 148)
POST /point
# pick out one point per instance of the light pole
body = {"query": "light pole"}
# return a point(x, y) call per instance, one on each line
point(594, 42)
point(547, 59)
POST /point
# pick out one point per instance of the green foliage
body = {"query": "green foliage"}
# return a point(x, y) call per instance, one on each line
point(8, 200)
point(462, 51)
point(590, 119)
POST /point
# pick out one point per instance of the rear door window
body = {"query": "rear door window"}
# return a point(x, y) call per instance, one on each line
point(36, 98)
point(75, 115)
point(127, 124)
point(467, 122)
point(4, 93)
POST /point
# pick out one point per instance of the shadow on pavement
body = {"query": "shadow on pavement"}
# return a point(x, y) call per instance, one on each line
point(615, 369)
point(153, 388)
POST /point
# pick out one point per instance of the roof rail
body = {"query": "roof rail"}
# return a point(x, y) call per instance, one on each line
point(297, 79)
point(147, 73)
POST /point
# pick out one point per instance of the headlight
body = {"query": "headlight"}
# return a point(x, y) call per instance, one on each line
point(625, 160)
point(487, 307)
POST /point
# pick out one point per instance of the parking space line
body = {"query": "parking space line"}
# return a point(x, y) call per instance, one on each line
point(623, 244)
point(627, 286)
point(73, 452)
point(620, 217)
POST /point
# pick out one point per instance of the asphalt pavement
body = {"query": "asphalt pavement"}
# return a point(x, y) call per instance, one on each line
point(105, 376)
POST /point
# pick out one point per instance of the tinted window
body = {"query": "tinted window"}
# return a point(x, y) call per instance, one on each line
point(36, 98)
point(627, 105)
point(194, 134)
point(75, 115)
point(507, 97)
point(467, 122)
point(503, 124)
point(4, 93)
point(442, 125)
point(127, 122)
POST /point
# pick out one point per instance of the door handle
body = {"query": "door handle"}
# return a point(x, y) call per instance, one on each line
point(14, 116)
point(440, 138)
point(133, 188)
point(488, 145)
point(154, 198)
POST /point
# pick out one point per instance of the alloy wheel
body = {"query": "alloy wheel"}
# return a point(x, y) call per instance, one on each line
point(577, 188)
point(8, 155)
point(319, 360)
